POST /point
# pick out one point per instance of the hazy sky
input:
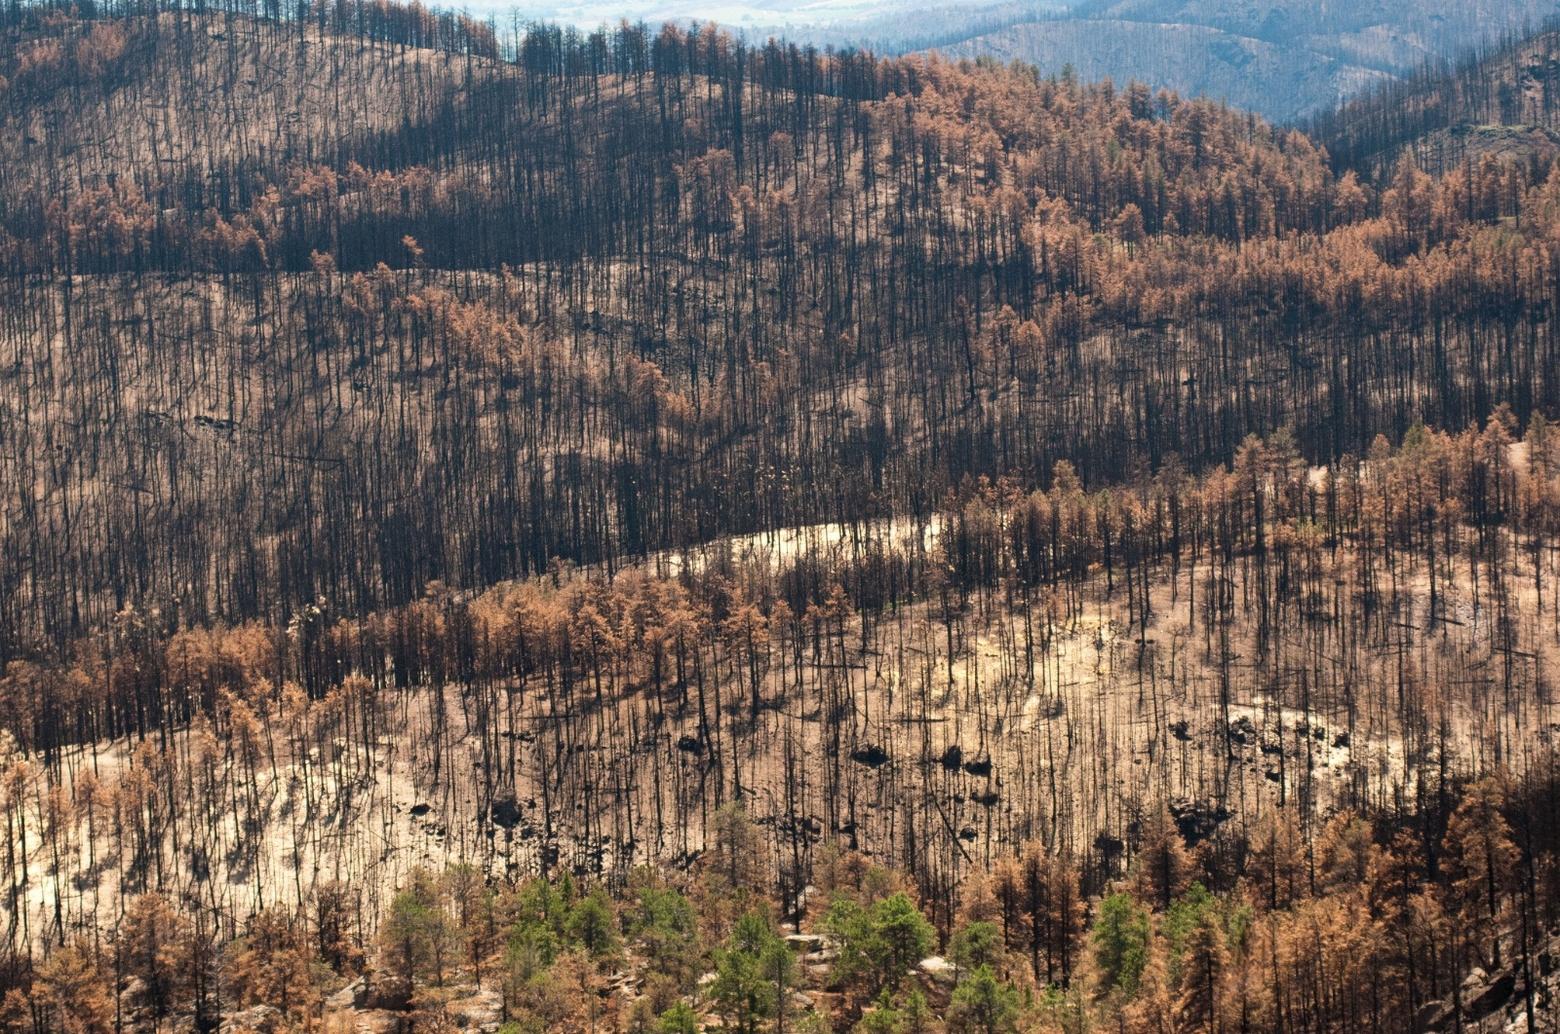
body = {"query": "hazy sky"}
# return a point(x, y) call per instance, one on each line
point(591, 13)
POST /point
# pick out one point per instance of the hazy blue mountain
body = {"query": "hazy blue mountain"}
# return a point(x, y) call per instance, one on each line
point(882, 25)
point(1283, 58)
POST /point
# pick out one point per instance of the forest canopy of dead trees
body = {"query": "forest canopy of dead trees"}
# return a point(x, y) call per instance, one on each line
point(502, 526)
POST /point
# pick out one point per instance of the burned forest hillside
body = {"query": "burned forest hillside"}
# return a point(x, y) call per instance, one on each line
point(624, 295)
point(503, 527)
point(1499, 103)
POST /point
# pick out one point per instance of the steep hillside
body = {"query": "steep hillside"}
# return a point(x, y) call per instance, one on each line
point(494, 524)
point(690, 286)
point(164, 102)
point(1501, 105)
point(633, 293)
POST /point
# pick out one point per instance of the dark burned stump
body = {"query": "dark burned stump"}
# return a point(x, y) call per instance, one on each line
point(1241, 731)
point(505, 812)
point(1195, 820)
point(872, 756)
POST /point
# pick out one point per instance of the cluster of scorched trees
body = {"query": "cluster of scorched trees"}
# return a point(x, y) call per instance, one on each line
point(1275, 704)
point(1353, 926)
point(498, 510)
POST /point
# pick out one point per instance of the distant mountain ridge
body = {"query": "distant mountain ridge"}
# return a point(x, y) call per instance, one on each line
point(885, 27)
point(1285, 60)
point(1281, 83)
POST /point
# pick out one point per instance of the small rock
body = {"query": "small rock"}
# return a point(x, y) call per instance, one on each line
point(939, 969)
point(1242, 731)
point(1492, 997)
point(1432, 1016)
point(482, 1010)
point(349, 997)
point(1197, 820)
point(805, 943)
point(259, 1017)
